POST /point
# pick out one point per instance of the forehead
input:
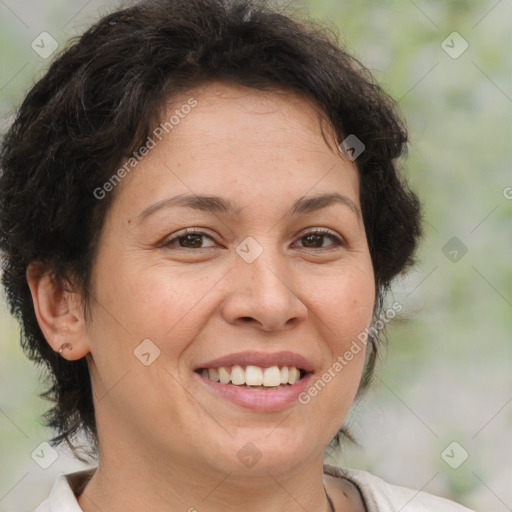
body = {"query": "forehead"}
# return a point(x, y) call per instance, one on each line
point(241, 112)
point(243, 144)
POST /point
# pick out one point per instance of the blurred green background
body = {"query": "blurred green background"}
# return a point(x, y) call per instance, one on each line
point(447, 373)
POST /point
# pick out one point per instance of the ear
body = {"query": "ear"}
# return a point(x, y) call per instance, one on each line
point(58, 314)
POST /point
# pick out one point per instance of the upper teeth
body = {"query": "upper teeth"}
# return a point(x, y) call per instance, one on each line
point(253, 375)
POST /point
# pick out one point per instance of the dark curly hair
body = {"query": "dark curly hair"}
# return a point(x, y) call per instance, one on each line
point(101, 98)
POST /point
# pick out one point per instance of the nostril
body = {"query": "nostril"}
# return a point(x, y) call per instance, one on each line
point(246, 318)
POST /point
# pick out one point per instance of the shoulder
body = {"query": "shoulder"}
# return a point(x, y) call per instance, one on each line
point(381, 496)
point(62, 497)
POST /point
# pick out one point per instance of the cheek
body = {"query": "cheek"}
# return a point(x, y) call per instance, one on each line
point(134, 305)
point(173, 303)
point(153, 298)
point(157, 303)
point(344, 303)
point(343, 309)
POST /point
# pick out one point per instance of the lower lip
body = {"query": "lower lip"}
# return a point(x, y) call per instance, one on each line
point(259, 400)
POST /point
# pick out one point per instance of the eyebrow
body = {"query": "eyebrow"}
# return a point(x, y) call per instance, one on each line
point(216, 204)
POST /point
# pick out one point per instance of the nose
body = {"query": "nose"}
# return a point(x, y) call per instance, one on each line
point(262, 293)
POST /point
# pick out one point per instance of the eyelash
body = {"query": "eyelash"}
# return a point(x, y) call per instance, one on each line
point(338, 241)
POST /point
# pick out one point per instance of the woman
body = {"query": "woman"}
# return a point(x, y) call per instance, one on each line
point(201, 215)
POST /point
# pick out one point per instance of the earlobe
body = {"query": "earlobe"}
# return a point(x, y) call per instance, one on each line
point(58, 314)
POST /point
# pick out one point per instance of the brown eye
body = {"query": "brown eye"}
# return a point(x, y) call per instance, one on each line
point(188, 240)
point(316, 239)
point(313, 240)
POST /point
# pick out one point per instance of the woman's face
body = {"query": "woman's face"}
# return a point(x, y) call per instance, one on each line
point(252, 285)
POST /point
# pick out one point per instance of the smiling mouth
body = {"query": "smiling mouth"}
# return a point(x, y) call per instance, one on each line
point(254, 377)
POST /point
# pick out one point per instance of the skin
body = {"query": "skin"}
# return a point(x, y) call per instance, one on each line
point(166, 442)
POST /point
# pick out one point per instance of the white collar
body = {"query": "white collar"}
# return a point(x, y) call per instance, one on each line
point(378, 495)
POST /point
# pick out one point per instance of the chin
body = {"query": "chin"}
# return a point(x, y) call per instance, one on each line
point(258, 451)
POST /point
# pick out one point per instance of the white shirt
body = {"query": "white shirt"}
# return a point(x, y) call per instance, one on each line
point(378, 495)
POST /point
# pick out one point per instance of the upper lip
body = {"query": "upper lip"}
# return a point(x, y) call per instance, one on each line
point(262, 359)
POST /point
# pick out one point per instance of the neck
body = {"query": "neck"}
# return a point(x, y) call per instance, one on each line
point(131, 482)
